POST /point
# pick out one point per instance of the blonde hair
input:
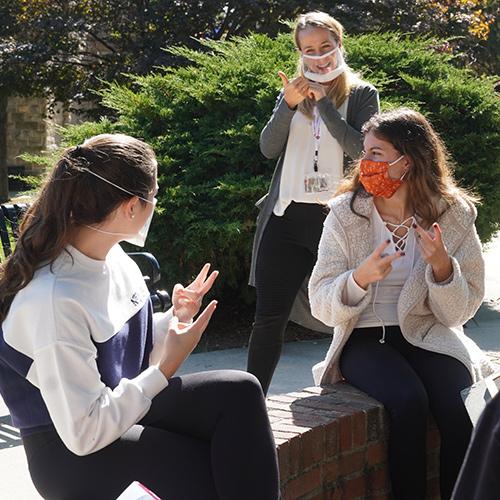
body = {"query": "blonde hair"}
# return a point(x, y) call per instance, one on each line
point(339, 88)
point(430, 179)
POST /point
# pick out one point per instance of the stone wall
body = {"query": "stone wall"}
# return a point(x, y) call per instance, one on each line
point(26, 129)
point(31, 129)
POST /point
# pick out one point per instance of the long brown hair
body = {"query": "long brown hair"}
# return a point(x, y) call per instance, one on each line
point(430, 179)
point(339, 88)
point(70, 197)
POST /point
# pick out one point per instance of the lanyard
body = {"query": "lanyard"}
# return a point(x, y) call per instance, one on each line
point(316, 131)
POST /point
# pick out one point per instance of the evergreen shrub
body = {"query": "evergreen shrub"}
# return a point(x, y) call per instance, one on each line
point(204, 120)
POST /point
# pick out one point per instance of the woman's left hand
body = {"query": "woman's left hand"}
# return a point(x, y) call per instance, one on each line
point(316, 91)
point(433, 251)
point(187, 300)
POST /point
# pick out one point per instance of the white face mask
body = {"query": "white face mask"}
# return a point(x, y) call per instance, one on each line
point(139, 238)
point(310, 66)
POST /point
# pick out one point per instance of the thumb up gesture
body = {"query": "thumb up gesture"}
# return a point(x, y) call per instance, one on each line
point(295, 91)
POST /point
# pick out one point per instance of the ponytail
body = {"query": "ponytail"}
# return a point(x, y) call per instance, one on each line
point(72, 196)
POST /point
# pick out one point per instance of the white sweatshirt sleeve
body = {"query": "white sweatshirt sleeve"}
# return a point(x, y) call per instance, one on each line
point(86, 413)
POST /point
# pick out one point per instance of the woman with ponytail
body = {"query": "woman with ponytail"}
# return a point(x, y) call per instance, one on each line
point(88, 371)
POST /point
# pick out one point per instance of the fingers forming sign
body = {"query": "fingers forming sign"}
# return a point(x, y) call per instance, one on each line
point(433, 251)
point(182, 338)
point(316, 91)
point(295, 91)
point(376, 266)
point(187, 300)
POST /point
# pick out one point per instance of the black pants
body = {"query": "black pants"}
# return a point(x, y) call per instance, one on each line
point(409, 382)
point(287, 254)
point(206, 436)
point(479, 477)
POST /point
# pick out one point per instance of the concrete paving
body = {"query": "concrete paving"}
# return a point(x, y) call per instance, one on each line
point(293, 372)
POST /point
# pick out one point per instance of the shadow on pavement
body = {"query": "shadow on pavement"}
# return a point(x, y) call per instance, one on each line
point(9, 435)
point(489, 311)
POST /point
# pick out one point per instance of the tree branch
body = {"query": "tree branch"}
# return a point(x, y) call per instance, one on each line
point(100, 40)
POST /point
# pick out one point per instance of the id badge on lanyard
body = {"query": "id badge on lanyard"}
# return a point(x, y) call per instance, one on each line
point(316, 182)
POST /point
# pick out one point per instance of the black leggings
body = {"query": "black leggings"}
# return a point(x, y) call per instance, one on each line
point(286, 255)
point(206, 436)
point(409, 381)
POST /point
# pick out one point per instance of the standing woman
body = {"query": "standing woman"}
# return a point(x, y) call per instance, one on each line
point(399, 272)
point(313, 131)
point(86, 368)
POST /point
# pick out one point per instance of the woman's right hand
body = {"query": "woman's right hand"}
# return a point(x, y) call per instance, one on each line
point(295, 91)
point(181, 339)
point(375, 267)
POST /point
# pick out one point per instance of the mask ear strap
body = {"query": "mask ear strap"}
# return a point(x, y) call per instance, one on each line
point(395, 161)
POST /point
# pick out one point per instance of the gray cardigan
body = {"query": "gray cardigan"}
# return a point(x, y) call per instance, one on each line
point(363, 103)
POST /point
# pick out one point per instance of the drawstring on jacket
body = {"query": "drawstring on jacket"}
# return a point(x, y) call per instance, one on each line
point(401, 245)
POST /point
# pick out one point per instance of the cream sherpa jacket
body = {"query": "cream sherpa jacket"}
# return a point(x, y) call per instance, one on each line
point(430, 314)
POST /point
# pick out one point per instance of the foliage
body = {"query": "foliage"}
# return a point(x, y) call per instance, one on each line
point(66, 49)
point(204, 120)
point(25, 185)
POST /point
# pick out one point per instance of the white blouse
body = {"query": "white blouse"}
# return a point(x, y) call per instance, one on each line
point(383, 308)
point(298, 162)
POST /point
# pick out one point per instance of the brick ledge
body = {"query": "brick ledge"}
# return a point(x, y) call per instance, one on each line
point(332, 444)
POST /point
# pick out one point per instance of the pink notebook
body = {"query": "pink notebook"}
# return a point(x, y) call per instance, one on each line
point(137, 491)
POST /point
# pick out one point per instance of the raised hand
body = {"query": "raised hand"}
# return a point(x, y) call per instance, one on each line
point(376, 266)
point(187, 301)
point(316, 91)
point(181, 339)
point(433, 251)
point(295, 91)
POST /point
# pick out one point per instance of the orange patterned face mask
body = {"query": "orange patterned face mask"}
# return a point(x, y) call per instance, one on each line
point(374, 175)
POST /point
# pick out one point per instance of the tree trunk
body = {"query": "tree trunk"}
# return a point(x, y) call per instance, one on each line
point(4, 182)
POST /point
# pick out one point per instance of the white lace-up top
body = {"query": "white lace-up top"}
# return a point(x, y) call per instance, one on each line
point(383, 308)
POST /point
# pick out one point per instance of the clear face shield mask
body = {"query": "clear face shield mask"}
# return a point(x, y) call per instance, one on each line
point(323, 68)
point(139, 238)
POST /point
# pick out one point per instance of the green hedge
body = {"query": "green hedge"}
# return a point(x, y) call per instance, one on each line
point(204, 120)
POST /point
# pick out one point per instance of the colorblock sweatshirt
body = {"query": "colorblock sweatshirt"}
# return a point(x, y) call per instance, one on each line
point(75, 350)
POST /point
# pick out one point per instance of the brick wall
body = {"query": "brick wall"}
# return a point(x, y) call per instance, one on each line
point(332, 445)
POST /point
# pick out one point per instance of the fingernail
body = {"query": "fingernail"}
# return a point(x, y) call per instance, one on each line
point(387, 241)
point(396, 248)
point(414, 226)
point(434, 225)
point(403, 254)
